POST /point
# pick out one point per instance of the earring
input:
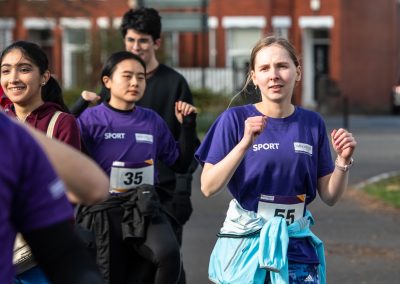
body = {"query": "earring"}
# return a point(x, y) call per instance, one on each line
point(255, 87)
point(43, 83)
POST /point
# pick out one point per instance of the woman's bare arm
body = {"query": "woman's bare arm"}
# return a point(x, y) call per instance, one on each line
point(86, 182)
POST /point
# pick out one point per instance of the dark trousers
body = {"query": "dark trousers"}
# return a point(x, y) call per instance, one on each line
point(160, 248)
point(179, 209)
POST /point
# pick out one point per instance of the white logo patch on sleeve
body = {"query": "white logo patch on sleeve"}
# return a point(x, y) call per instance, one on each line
point(144, 138)
point(57, 189)
point(303, 148)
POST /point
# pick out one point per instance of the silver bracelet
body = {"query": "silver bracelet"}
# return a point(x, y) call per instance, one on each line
point(344, 168)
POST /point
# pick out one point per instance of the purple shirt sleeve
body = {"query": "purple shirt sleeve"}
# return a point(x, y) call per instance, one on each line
point(31, 195)
point(167, 149)
point(39, 195)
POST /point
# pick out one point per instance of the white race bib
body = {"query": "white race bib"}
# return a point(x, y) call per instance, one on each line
point(290, 208)
point(125, 175)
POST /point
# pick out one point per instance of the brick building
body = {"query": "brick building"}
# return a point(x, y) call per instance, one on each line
point(349, 48)
point(70, 31)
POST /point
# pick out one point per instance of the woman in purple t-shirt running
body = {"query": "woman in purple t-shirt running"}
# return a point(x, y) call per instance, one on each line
point(127, 141)
point(274, 158)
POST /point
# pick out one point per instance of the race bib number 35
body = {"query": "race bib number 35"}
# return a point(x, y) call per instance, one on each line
point(290, 208)
point(125, 176)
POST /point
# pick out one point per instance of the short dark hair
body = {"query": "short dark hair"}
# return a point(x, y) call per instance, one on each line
point(142, 20)
point(117, 57)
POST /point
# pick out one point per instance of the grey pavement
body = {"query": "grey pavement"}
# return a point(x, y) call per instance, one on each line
point(362, 236)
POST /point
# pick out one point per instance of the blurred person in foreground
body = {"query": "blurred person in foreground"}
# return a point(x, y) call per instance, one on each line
point(33, 202)
point(36, 98)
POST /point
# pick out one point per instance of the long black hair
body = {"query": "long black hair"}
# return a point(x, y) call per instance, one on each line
point(51, 92)
point(111, 64)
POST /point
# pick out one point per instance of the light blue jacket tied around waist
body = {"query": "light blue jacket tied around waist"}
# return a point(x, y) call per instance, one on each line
point(248, 246)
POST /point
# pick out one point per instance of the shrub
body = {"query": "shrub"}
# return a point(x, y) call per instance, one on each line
point(72, 95)
point(209, 105)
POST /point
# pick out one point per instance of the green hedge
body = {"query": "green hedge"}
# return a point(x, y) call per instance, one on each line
point(72, 95)
point(209, 105)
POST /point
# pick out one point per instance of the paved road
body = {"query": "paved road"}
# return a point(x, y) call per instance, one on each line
point(362, 237)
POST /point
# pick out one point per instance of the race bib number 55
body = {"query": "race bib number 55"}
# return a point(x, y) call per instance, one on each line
point(290, 208)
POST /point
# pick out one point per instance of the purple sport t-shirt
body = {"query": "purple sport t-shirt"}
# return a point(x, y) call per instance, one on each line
point(127, 136)
point(31, 195)
point(286, 159)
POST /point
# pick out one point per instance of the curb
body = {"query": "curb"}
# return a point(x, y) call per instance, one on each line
point(377, 178)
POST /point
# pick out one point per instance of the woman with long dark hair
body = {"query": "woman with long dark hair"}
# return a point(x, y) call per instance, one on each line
point(34, 94)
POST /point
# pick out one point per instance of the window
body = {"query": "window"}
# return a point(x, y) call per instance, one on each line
point(6, 27)
point(170, 48)
point(41, 37)
point(44, 38)
point(76, 56)
point(5, 38)
point(282, 32)
point(281, 25)
point(242, 33)
point(76, 36)
point(240, 43)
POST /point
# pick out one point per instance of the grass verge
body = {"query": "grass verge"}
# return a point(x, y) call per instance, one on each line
point(387, 190)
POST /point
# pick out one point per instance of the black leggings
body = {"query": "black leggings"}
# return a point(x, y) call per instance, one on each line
point(160, 247)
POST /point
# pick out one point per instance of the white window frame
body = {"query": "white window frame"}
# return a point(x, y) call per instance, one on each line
point(281, 25)
point(33, 23)
point(212, 39)
point(308, 23)
point(240, 22)
point(7, 25)
point(68, 49)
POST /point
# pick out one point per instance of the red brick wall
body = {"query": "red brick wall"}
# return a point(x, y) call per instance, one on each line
point(234, 8)
point(364, 42)
point(367, 67)
point(66, 8)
